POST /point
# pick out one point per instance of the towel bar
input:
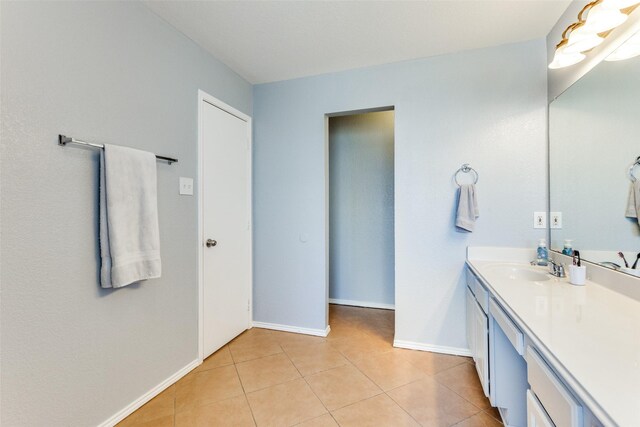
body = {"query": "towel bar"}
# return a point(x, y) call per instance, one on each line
point(64, 140)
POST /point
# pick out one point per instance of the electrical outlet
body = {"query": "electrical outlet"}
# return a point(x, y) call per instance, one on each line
point(555, 219)
point(186, 186)
point(539, 220)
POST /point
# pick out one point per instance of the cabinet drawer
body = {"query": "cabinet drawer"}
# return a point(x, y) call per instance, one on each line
point(482, 295)
point(536, 415)
point(471, 281)
point(562, 408)
point(508, 327)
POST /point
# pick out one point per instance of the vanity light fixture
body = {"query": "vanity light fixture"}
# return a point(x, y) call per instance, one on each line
point(627, 50)
point(562, 59)
point(581, 39)
point(602, 15)
point(595, 21)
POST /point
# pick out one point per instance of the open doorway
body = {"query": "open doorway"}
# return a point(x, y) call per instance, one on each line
point(361, 216)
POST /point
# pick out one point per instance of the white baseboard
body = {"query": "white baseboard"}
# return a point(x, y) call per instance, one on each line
point(456, 351)
point(294, 329)
point(366, 304)
point(129, 409)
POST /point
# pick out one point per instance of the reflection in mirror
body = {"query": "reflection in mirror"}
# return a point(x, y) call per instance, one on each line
point(594, 143)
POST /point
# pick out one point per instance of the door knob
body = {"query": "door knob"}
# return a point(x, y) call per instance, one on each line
point(211, 243)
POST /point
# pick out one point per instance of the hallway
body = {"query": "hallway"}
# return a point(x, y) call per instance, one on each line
point(354, 377)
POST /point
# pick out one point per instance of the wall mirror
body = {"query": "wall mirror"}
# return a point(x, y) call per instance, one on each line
point(594, 144)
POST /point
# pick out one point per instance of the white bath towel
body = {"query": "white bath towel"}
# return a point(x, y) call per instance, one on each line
point(129, 231)
point(633, 205)
point(467, 207)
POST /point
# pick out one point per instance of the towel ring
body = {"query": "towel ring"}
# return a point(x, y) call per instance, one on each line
point(467, 169)
point(631, 175)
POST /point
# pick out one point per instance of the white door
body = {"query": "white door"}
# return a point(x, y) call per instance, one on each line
point(226, 220)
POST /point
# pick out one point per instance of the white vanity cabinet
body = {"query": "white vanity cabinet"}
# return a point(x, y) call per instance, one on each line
point(563, 409)
point(514, 375)
point(471, 331)
point(507, 366)
point(481, 354)
point(478, 328)
point(536, 415)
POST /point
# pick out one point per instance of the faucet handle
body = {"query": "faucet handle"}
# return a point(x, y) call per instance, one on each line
point(556, 269)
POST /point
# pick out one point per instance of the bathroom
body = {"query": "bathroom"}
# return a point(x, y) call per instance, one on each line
point(468, 83)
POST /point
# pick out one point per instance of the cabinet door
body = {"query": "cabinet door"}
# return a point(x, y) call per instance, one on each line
point(536, 415)
point(471, 302)
point(481, 354)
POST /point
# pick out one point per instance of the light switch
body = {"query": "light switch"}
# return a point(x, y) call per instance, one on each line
point(539, 220)
point(186, 186)
point(555, 219)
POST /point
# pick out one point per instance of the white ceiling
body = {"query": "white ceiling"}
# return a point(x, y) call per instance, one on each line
point(267, 41)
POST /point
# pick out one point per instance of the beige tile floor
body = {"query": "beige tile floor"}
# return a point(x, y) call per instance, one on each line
point(354, 377)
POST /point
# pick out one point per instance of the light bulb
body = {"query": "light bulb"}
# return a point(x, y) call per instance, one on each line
point(562, 59)
point(602, 17)
point(580, 40)
point(627, 50)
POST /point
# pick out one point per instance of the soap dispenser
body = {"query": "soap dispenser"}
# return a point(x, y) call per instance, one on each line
point(542, 253)
point(568, 249)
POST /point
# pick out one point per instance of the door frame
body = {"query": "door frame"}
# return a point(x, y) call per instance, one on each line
point(327, 116)
point(202, 98)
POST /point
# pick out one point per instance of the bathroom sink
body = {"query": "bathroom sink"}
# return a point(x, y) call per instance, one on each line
point(516, 272)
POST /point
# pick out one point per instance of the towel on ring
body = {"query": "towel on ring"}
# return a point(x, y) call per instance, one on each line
point(467, 207)
point(633, 204)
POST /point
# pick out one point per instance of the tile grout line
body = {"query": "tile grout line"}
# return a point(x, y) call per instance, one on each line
point(385, 392)
point(246, 398)
point(458, 394)
point(382, 391)
point(492, 416)
point(310, 388)
point(258, 358)
point(400, 406)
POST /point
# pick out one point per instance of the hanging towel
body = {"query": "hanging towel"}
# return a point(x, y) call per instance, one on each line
point(467, 207)
point(129, 231)
point(633, 205)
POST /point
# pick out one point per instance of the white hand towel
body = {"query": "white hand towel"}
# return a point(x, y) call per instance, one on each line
point(129, 231)
point(633, 205)
point(467, 207)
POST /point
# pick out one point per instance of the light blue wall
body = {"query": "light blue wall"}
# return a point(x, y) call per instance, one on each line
point(361, 254)
point(486, 107)
point(74, 354)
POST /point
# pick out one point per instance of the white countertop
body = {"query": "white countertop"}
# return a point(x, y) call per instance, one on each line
point(592, 332)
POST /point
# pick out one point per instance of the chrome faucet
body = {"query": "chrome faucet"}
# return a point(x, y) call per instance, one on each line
point(556, 269)
point(610, 265)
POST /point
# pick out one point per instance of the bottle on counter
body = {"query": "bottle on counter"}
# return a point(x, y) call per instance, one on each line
point(542, 257)
point(568, 249)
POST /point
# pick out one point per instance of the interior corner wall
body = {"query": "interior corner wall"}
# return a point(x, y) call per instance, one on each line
point(486, 107)
point(361, 255)
point(74, 354)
